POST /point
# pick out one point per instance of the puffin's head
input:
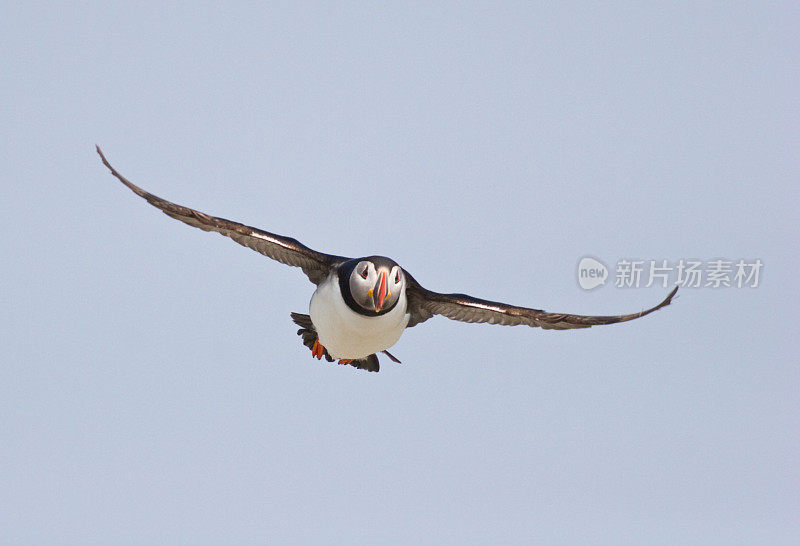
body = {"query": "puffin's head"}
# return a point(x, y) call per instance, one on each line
point(371, 285)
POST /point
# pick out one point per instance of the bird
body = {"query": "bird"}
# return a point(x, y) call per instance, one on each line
point(362, 306)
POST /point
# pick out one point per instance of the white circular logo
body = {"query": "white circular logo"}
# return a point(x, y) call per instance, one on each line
point(591, 273)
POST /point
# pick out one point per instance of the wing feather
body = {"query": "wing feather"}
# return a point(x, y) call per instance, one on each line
point(423, 304)
point(286, 250)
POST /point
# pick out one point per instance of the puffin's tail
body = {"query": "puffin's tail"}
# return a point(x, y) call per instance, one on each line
point(308, 333)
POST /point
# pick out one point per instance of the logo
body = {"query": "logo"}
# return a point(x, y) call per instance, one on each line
point(591, 273)
point(685, 272)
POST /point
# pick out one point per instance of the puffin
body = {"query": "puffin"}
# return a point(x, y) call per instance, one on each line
point(362, 306)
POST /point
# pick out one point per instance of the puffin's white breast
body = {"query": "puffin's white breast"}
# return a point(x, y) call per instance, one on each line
point(347, 334)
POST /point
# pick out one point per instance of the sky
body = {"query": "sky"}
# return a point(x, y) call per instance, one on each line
point(152, 387)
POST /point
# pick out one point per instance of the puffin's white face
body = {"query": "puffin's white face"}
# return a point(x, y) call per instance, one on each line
point(376, 288)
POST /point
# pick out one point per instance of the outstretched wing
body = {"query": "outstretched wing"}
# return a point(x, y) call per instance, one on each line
point(423, 304)
point(286, 250)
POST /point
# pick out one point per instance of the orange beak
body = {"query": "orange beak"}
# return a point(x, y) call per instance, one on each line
point(380, 293)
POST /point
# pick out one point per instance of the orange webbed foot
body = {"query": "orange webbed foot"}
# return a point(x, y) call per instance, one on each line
point(346, 360)
point(318, 351)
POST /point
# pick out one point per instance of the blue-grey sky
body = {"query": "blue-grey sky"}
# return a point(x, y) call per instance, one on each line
point(152, 387)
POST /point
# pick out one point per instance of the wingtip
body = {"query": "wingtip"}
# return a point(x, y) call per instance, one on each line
point(664, 303)
point(672, 295)
point(103, 157)
point(668, 299)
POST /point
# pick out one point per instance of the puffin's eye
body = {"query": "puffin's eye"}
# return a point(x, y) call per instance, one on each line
point(365, 273)
point(397, 278)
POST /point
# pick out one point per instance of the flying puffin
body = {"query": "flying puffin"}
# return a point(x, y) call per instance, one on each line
point(362, 305)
